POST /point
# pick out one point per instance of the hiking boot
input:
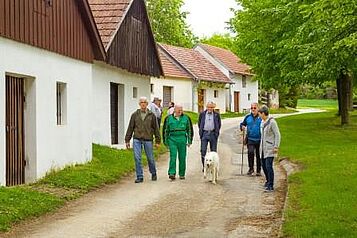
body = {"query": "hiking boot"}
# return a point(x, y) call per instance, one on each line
point(258, 174)
point(139, 180)
point(182, 177)
point(250, 172)
point(172, 177)
point(154, 177)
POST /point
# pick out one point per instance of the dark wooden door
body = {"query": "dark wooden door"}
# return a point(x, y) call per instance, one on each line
point(167, 92)
point(236, 101)
point(114, 110)
point(201, 100)
point(15, 146)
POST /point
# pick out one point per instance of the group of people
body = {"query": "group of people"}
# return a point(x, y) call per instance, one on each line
point(262, 137)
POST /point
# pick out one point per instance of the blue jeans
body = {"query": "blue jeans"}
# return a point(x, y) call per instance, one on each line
point(267, 164)
point(148, 148)
point(208, 136)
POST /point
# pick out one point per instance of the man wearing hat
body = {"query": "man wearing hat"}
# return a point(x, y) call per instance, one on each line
point(155, 107)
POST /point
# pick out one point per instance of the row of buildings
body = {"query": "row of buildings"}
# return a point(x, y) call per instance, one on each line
point(72, 71)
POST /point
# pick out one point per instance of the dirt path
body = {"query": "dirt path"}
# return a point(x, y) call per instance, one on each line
point(236, 207)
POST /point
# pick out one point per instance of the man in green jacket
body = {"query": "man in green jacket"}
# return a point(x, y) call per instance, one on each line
point(177, 135)
point(144, 125)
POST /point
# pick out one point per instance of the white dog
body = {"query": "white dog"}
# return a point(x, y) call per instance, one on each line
point(211, 166)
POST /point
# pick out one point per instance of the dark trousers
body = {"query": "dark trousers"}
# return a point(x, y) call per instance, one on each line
point(253, 149)
point(208, 136)
point(159, 121)
point(267, 164)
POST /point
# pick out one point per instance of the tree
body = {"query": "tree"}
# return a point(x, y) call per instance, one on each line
point(225, 41)
point(168, 23)
point(292, 42)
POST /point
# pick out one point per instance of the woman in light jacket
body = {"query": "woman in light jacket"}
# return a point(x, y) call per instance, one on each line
point(269, 146)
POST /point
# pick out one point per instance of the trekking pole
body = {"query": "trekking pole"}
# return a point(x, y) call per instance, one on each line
point(241, 167)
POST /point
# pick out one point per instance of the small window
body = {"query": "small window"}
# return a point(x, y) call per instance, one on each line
point(215, 93)
point(152, 88)
point(61, 100)
point(135, 92)
point(244, 81)
point(249, 96)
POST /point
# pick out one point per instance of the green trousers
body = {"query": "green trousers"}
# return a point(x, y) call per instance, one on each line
point(177, 146)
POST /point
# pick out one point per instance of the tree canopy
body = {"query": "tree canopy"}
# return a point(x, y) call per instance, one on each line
point(168, 22)
point(225, 41)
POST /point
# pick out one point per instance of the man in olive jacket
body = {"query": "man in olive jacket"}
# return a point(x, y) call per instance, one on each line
point(144, 125)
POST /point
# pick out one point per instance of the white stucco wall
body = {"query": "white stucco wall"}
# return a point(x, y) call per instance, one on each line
point(103, 75)
point(251, 88)
point(209, 96)
point(54, 146)
point(181, 90)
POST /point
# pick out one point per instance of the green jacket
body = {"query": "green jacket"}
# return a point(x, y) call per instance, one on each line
point(143, 129)
point(177, 128)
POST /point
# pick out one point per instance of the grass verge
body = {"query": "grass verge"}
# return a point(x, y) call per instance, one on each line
point(327, 104)
point(322, 197)
point(107, 166)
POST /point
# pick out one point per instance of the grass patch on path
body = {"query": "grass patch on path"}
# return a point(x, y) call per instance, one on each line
point(107, 166)
point(322, 197)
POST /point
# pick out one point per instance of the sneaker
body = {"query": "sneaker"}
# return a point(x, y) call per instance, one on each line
point(250, 172)
point(269, 190)
point(154, 177)
point(139, 180)
point(265, 185)
point(182, 177)
point(258, 174)
point(172, 177)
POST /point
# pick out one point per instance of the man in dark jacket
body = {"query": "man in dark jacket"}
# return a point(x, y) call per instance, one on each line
point(251, 124)
point(144, 125)
point(209, 123)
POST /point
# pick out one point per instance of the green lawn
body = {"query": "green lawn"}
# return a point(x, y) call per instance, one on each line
point(323, 196)
point(327, 104)
point(282, 111)
point(107, 166)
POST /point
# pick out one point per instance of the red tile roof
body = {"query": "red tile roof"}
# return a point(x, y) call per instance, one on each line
point(196, 64)
point(172, 68)
point(226, 57)
point(108, 15)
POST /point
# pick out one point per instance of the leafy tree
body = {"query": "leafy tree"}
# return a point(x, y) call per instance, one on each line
point(292, 42)
point(169, 22)
point(225, 41)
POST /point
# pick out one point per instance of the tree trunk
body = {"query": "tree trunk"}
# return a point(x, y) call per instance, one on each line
point(345, 95)
point(338, 85)
point(350, 93)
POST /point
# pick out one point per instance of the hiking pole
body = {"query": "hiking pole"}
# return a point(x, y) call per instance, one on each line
point(241, 167)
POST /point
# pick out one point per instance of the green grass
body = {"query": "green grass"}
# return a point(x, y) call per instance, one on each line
point(193, 116)
point(107, 166)
point(282, 111)
point(19, 203)
point(231, 115)
point(327, 104)
point(322, 197)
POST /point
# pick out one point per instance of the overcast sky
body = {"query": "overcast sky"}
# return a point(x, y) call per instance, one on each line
point(209, 16)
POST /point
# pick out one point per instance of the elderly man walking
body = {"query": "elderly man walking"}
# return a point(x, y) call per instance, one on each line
point(177, 135)
point(144, 125)
point(251, 124)
point(209, 123)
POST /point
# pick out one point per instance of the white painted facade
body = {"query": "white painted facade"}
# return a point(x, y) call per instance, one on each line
point(103, 75)
point(47, 145)
point(220, 100)
point(182, 90)
point(251, 87)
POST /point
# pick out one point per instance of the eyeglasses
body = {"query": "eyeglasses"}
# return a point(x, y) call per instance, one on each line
point(253, 108)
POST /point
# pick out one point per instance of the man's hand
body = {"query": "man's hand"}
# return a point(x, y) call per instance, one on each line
point(127, 145)
point(157, 145)
point(276, 150)
point(243, 128)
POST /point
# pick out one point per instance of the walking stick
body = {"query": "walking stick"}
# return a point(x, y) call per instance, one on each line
point(241, 167)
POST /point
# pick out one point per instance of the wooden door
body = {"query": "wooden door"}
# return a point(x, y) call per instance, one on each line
point(15, 146)
point(236, 101)
point(167, 92)
point(114, 110)
point(201, 100)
